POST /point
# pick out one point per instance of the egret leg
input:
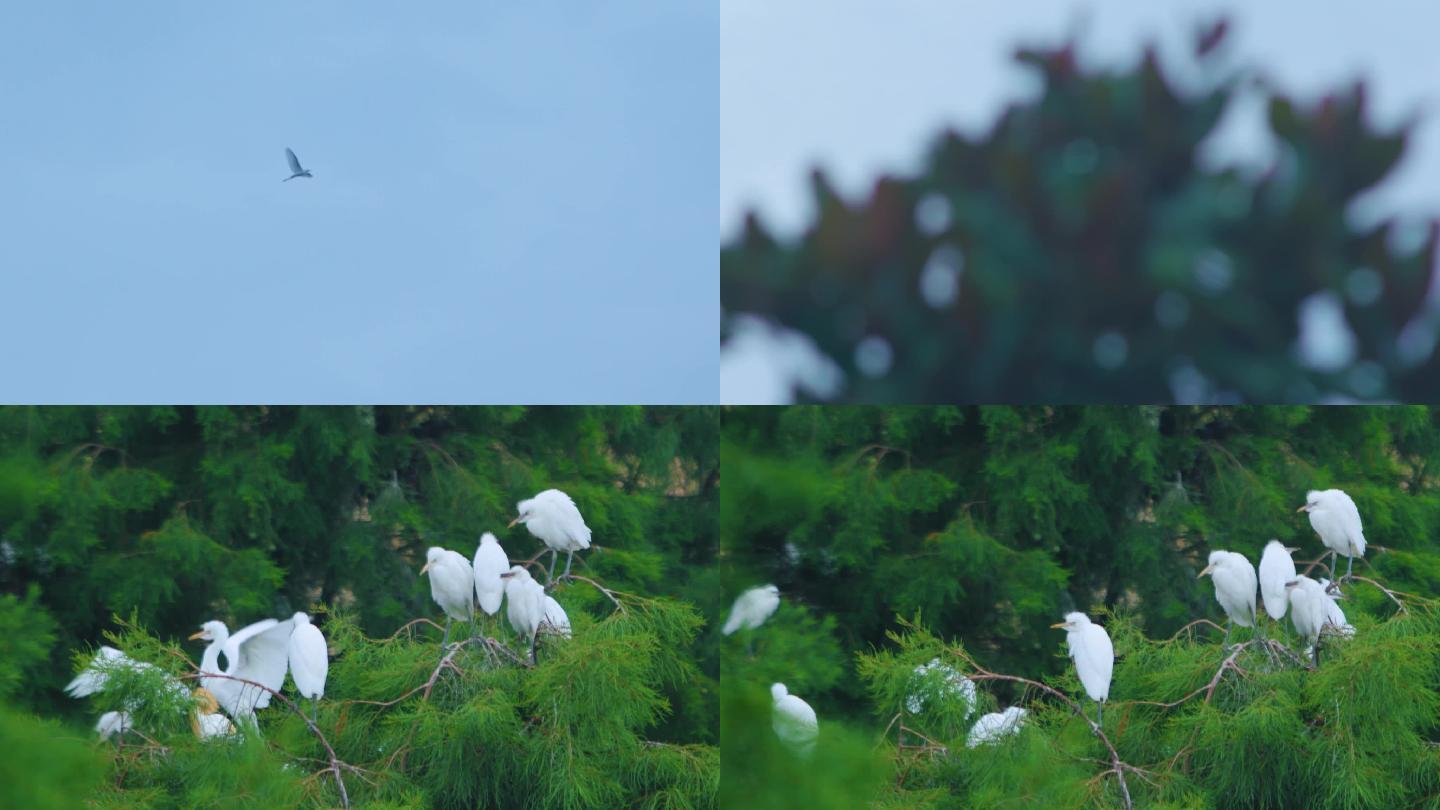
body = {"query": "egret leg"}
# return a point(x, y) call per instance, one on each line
point(532, 649)
point(315, 711)
point(446, 638)
point(1100, 714)
point(1332, 564)
point(550, 575)
point(1349, 567)
point(568, 559)
point(1226, 643)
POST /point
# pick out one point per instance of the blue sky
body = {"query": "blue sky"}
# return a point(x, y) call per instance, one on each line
point(862, 87)
point(512, 202)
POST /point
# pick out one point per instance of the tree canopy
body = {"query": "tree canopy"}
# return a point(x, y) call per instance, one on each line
point(1087, 247)
point(904, 535)
point(132, 525)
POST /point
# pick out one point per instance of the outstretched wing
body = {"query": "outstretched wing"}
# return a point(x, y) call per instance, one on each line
point(294, 161)
point(263, 656)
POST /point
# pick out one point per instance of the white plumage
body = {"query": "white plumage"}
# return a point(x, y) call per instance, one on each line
point(309, 658)
point(490, 562)
point(94, 677)
point(995, 726)
point(112, 723)
point(1308, 607)
point(1094, 656)
point(452, 585)
point(752, 608)
point(525, 604)
point(258, 652)
point(554, 518)
point(793, 720)
point(1234, 579)
point(555, 619)
point(1334, 616)
point(937, 681)
point(1336, 519)
point(1276, 568)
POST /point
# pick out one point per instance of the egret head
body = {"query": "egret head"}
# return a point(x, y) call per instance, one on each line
point(488, 538)
point(778, 691)
point(212, 631)
point(1336, 593)
point(432, 555)
point(525, 510)
point(1073, 621)
point(1276, 543)
point(772, 590)
point(1216, 558)
point(1312, 500)
point(300, 618)
point(519, 573)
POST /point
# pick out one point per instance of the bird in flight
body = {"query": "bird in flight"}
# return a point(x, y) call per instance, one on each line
point(295, 167)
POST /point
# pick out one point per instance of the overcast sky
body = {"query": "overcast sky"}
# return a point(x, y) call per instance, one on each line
point(511, 202)
point(861, 87)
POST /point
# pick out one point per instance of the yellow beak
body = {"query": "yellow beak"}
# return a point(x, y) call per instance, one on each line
point(1055, 626)
point(512, 523)
point(1304, 508)
point(1207, 570)
point(194, 636)
point(426, 568)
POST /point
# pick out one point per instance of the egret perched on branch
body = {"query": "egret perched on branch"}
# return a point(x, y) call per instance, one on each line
point(526, 604)
point(309, 661)
point(554, 617)
point(490, 563)
point(452, 585)
point(258, 652)
point(994, 726)
point(1276, 569)
point(752, 608)
point(1334, 517)
point(1309, 610)
point(295, 170)
point(1094, 657)
point(108, 660)
point(793, 720)
point(112, 723)
point(937, 681)
point(554, 518)
point(207, 721)
point(1334, 616)
point(1234, 579)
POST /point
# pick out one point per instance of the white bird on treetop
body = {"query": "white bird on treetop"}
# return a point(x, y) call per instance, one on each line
point(295, 170)
point(937, 681)
point(525, 604)
point(1234, 579)
point(112, 723)
point(752, 608)
point(490, 563)
point(995, 726)
point(1309, 610)
point(258, 652)
point(452, 585)
point(793, 720)
point(554, 518)
point(1336, 519)
point(1094, 657)
point(309, 660)
point(554, 619)
point(1277, 567)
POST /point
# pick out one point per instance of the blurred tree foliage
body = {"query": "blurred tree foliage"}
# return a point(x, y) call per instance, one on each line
point(1082, 251)
point(983, 525)
point(172, 516)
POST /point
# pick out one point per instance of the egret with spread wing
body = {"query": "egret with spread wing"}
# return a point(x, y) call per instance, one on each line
point(258, 652)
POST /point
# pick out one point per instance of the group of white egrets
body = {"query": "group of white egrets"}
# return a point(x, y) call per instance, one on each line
point(458, 585)
point(1311, 604)
point(259, 656)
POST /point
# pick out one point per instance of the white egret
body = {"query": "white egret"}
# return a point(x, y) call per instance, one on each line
point(207, 721)
point(793, 720)
point(995, 726)
point(937, 681)
point(752, 608)
point(554, 518)
point(1094, 657)
point(112, 723)
point(1334, 616)
point(309, 661)
point(295, 169)
point(1335, 518)
point(1276, 569)
point(452, 585)
point(96, 675)
point(1234, 579)
point(1308, 609)
point(554, 616)
point(258, 652)
point(490, 563)
point(525, 604)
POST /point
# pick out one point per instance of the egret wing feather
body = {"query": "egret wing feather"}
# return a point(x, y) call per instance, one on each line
point(294, 161)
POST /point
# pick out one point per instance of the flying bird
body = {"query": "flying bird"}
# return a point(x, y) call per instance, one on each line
point(295, 169)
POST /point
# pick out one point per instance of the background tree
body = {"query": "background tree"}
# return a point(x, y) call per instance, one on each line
point(897, 535)
point(171, 516)
point(1082, 251)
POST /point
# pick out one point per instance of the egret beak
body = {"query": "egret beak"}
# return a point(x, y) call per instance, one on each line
point(1292, 550)
point(1305, 508)
point(507, 575)
point(426, 568)
point(1207, 570)
point(200, 634)
point(1057, 626)
point(511, 525)
point(1292, 583)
